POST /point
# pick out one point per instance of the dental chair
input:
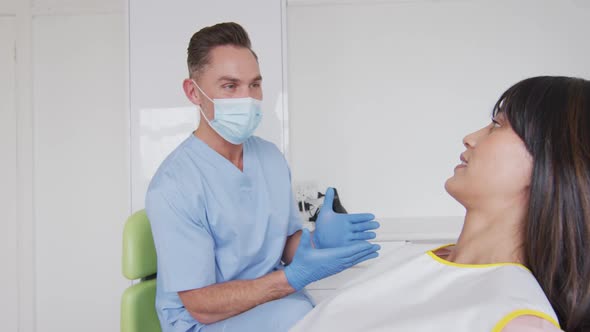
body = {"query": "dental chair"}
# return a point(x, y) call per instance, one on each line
point(138, 310)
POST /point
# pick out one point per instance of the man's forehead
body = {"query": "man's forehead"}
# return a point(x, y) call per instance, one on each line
point(232, 63)
point(228, 53)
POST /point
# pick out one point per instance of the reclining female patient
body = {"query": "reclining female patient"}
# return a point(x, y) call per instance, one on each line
point(522, 261)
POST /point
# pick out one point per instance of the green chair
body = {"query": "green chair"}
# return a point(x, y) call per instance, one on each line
point(138, 310)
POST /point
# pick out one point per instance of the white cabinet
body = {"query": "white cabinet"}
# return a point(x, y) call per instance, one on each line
point(81, 173)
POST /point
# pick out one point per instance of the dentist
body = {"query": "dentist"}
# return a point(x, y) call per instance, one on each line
point(231, 252)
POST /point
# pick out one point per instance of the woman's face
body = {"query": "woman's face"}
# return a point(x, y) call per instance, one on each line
point(495, 170)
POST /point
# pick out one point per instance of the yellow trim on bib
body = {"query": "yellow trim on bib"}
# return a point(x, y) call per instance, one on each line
point(523, 312)
point(446, 262)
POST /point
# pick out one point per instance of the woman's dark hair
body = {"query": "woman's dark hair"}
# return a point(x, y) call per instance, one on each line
point(552, 117)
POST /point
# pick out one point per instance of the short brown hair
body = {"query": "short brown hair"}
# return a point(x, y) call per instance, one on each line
point(204, 40)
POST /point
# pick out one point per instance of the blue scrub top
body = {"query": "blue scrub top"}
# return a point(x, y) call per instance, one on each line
point(213, 223)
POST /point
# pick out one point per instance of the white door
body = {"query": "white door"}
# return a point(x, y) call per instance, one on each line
point(8, 230)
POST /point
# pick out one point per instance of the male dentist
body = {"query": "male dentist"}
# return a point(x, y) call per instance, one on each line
point(231, 252)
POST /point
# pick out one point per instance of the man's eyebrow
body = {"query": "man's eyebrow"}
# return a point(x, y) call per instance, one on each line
point(229, 79)
point(237, 80)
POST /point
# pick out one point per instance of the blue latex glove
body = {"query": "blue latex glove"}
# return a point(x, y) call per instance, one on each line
point(310, 264)
point(340, 229)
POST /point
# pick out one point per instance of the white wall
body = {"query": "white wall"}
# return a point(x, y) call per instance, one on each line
point(69, 136)
point(81, 166)
point(8, 224)
point(382, 92)
point(8, 8)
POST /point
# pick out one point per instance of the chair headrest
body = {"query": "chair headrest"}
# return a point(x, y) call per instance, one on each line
point(139, 253)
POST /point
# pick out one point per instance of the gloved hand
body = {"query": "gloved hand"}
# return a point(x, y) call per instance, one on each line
point(310, 264)
point(340, 229)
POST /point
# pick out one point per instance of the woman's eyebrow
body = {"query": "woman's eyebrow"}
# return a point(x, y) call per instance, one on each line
point(500, 116)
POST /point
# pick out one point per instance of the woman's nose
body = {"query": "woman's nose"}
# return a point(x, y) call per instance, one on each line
point(470, 141)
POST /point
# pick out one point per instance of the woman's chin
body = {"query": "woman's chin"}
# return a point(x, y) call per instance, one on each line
point(453, 188)
point(449, 185)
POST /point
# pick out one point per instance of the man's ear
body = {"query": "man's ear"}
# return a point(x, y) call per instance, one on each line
point(191, 92)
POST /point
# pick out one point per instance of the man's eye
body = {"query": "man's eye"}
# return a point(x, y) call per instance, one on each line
point(229, 86)
point(255, 85)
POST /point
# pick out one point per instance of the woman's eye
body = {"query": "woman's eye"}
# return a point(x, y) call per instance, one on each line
point(496, 124)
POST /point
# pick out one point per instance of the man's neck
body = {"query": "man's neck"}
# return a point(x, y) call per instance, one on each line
point(231, 152)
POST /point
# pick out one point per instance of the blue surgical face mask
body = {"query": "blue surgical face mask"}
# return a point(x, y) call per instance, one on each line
point(234, 119)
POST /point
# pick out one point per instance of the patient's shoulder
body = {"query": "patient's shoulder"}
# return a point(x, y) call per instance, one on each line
point(529, 323)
